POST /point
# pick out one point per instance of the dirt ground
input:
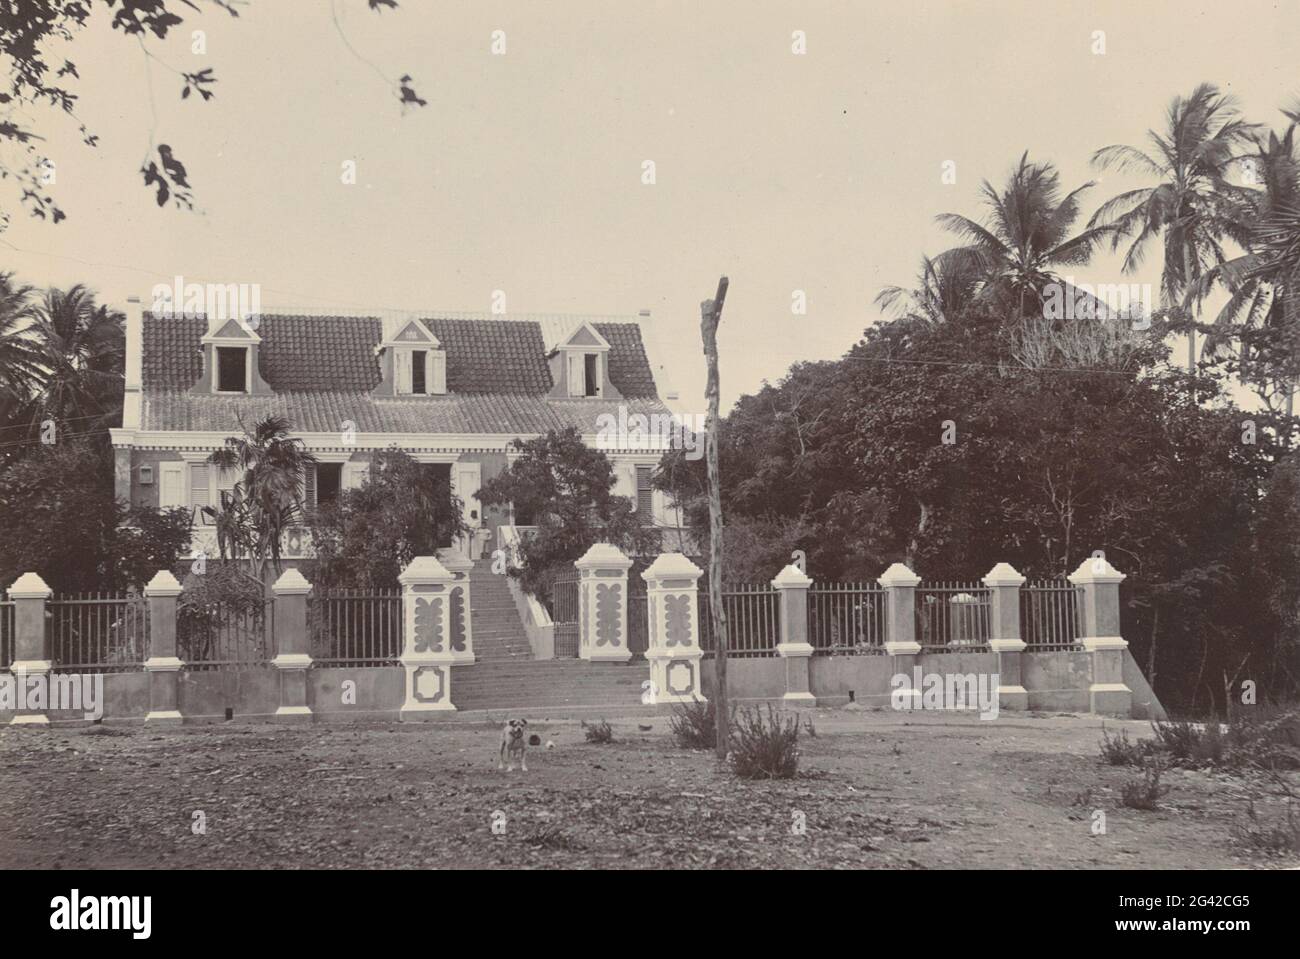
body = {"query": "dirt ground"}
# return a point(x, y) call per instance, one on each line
point(876, 789)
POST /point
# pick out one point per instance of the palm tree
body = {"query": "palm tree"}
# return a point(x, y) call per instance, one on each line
point(945, 287)
point(1027, 238)
point(1263, 310)
point(19, 361)
point(268, 498)
point(1188, 207)
point(82, 357)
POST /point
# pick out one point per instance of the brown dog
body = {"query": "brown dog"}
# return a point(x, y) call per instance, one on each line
point(513, 744)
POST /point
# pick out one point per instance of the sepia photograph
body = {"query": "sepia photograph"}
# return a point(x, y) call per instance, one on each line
point(649, 436)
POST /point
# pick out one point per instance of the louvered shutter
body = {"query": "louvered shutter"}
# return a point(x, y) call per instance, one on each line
point(577, 374)
point(402, 360)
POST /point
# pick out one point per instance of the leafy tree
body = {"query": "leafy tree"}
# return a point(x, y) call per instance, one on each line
point(1189, 207)
point(60, 520)
point(567, 488)
point(370, 534)
point(267, 500)
point(31, 31)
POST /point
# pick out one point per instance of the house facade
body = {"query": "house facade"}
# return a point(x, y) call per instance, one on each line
point(451, 390)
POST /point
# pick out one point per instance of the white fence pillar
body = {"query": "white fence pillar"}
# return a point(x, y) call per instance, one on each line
point(672, 604)
point(1108, 695)
point(1004, 583)
point(602, 604)
point(461, 624)
point(426, 652)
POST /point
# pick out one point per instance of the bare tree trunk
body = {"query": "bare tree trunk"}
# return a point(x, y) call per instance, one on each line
point(710, 316)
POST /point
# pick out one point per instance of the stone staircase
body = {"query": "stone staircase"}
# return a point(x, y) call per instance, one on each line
point(506, 679)
point(551, 686)
point(498, 633)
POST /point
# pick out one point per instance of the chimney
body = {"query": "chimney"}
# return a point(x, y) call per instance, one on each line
point(134, 351)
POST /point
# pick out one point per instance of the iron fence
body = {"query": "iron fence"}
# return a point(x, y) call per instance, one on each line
point(1050, 614)
point(638, 623)
point(218, 637)
point(952, 616)
point(753, 620)
point(564, 614)
point(846, 619)
point(356, 627)
point(97, 632)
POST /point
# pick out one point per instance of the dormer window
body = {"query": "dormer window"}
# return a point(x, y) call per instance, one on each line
point(585, 352)
point(419, 363)
point(232, 369)
point(230, 350)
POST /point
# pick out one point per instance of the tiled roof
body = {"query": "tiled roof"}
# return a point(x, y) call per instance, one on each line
point(336, 354)
point(492, 356)
point(325, 412)
point(629, 370)
point(323, 369)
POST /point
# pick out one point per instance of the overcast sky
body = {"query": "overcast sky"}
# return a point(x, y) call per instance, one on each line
point(818, 172)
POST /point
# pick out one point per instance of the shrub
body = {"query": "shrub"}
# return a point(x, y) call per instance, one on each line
point(600, 732)
point(765, 745)
point(1269, 837)
point(694, 725)
point(1145, 793)
point(1121, 751)
point(1191, 744)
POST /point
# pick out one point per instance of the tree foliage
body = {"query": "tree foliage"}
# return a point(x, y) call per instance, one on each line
point(60, 520)
point(402, 511)
point(566, 488)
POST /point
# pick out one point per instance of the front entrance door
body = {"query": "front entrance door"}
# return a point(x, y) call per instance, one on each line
point(466, 479)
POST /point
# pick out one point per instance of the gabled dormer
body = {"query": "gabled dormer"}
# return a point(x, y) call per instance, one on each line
point(580, 366)
point(412, 361)
point(230, 367)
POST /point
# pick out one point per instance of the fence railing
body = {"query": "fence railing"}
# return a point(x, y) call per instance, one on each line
point(564, 614)
point(1049, 614)
point(638, 623)
point(753, 620)
point(6, 633)
point(846, 619)
point(217, 637)
point(952, 616)
point(98, 632)
point(356, 627)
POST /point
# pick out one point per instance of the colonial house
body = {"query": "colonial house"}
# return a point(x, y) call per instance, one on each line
point(452, 390)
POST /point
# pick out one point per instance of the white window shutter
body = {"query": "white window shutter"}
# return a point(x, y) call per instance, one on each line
point(438, 378)
point(171, 485)
point(402, 362)
point(355, 475)
point(577, 374)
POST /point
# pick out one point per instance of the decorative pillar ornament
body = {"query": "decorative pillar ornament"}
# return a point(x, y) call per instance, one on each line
point(602, 604)
point(461, 623)
point(162, 665)
point(672, 602)
point(427, 656)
